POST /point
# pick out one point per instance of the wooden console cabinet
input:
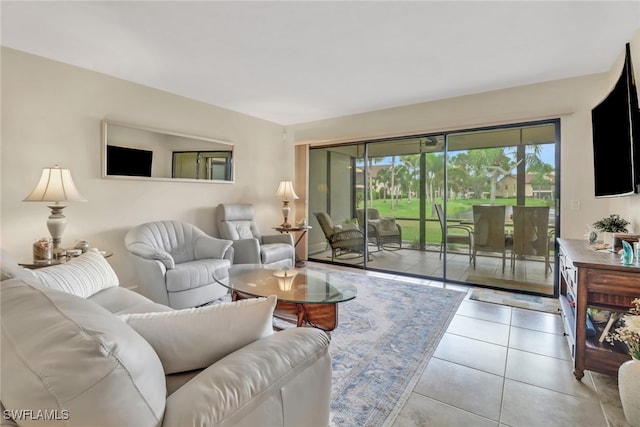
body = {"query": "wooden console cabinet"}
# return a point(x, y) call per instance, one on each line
point(590, 278)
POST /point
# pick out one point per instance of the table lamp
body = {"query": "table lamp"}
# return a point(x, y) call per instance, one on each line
point(55, 185)
point(286, 193)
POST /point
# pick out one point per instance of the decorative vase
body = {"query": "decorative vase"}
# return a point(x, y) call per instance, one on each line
point(629, 388)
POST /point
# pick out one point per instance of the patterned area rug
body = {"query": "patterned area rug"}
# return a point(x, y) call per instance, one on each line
point(530, 302)
point(384, 340)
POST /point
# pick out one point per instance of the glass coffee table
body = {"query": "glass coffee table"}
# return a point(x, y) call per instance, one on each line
point(305, 297)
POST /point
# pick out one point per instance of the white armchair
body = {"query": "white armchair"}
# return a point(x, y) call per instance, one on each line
point(236, 222)
point(176, 262)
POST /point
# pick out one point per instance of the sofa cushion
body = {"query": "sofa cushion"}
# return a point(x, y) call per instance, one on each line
point(388, 226)
point(82, 276)
point(119, 300)
point(195, 274)
point(219, 330)
point(211, 247)
point(272, 252)
point(61, 352)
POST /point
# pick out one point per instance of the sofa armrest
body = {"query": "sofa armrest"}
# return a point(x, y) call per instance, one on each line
point(293, 365)
point(246, 251)
point(6, 420)
point(278, 238)
point(147, 252)
point(207, 247)
point(150, 275)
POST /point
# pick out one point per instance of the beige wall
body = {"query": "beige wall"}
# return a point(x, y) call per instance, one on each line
point(51, 114)
point(571, 100)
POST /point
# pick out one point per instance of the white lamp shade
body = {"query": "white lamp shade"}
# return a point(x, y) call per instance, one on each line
point(55, 185)
point(285, 191)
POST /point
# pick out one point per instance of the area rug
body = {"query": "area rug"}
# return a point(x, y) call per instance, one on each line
point(530, 302)
point(384, 340)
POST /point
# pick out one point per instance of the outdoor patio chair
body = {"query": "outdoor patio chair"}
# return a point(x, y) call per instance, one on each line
point(343, 241)
point(465, 237)
point(382, 231)
point(531, 234)
point(489, 233)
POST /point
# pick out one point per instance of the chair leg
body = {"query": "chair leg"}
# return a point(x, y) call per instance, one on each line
point(547, 266)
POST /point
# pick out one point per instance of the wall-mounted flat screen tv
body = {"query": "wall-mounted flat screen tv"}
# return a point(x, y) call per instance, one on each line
point(616, 138)
point(128, 161)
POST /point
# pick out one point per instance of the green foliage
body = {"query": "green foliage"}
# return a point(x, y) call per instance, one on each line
point(612, 224)
point(407, 214)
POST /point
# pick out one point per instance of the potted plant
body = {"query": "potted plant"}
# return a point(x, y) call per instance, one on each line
point(612, 224)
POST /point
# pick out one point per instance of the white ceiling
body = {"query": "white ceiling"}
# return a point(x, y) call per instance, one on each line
point(293, 62)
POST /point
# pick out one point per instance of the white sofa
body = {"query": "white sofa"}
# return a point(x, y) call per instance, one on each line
point(79, 350)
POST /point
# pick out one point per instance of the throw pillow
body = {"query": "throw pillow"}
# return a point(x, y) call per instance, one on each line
point(388, 224)
point(82, 276)
point(195, 338)
point(345, 226)
point(69, 357)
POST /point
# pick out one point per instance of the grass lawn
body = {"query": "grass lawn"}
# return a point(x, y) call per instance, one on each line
point(407, 214)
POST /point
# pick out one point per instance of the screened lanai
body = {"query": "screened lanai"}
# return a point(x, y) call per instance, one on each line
point(475, 206)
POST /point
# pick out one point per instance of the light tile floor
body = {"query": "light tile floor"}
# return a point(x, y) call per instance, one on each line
point(527, 274)
point(504, 366)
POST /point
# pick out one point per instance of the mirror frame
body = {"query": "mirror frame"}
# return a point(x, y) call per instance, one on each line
point(104, 126)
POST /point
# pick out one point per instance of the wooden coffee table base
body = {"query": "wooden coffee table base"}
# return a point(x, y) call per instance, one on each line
point(321, 316)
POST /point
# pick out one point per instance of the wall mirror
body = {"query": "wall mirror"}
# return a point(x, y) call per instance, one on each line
point(137, 152)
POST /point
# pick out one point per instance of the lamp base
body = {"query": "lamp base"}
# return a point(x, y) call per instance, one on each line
point(56, 224)
point(286, 210)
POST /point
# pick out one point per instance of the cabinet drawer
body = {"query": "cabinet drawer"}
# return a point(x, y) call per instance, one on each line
point(568, 271)
point(569, 323)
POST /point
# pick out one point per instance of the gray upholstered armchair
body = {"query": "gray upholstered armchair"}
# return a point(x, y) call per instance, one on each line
point(176, 262)
point(236, 222)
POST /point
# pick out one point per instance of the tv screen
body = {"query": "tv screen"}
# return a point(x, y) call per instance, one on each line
point(128, 161)
point(613, 120)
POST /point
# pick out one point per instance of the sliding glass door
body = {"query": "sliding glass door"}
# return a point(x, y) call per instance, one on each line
point(412, 205)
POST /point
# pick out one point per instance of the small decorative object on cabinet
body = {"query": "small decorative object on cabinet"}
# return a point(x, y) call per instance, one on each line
point(627, 254)
point(612, 224)
point(593, 279)
point(629, 372)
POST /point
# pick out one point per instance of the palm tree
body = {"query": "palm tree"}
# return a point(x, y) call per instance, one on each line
point(434, 164)
point(412, 164)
